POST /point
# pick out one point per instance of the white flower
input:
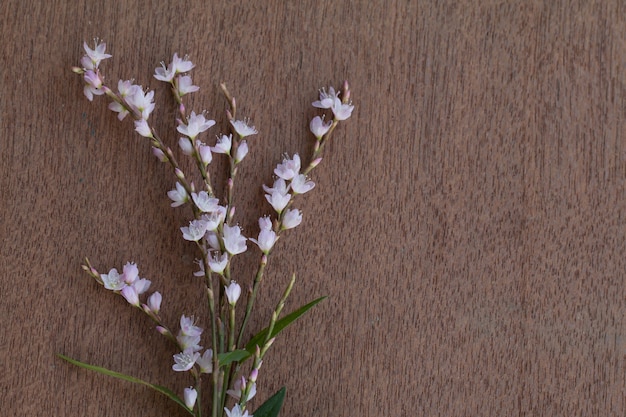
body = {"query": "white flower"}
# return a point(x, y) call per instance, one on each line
point(223, 144)
point(159, 154)
point(217, 263)
point(196, 124)
point(242, 151)
point(266, 240)
point(214, 219)
point(300, 185)
point(236, 412)
point(279, 186)
point(234, 242)
point(204, 202)
point(206, 362)
point(318, 127)
point(113, 281)
point(265, 223)
point(195, 231)
point(292, 218)
point(190, 397)
point(185, 360)
point(142, 127)
point(289, 168)
point(233, 291)
point(277, 200)
point(185, 145)
point(243, 129)
point(178, 196)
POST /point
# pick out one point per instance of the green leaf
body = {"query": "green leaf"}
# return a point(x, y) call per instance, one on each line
point(271, 407)
point(280, 325)
point(165, 391)
point(234, 356)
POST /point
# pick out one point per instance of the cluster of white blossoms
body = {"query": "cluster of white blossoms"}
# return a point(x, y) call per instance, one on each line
point(212, 229)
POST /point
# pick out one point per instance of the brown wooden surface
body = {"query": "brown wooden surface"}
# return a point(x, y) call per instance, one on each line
point(467, 225)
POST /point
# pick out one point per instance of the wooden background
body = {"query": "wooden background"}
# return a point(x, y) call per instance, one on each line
point(467, 224)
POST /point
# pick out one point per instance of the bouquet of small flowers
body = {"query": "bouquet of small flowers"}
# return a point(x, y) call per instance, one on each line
point(224, 375)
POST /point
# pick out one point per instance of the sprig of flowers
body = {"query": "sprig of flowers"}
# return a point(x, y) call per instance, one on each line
point(215, 234)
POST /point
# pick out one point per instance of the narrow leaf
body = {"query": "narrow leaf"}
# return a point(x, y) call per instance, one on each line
point(280, 325)
point(234, 356)
point(271, 407)
point(165, 391)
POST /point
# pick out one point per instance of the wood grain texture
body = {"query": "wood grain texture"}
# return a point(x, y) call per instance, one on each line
point(467, 224)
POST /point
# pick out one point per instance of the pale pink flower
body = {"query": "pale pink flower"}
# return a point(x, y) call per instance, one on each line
point(289, 168)
point(223, 144)
point(130, 273)
point(300, 185)
point(190, 395)
point(341, 111)
point(189, 342)
point(234, 242)
point(292, 218)
point(205, 153)
point(243, 128)
point(196, 124)
point(93, 85)
point(185, 360)
point(142, 127)
point(205, 202)
point(184, 85)
point(218, 263)
point(326, 100)
point(212, 240)
point(141, 102)
point(97, 54)
point(318, 127)
point(159, 154)
point(179, 196)
point(242, 151)
point(154, 302)
point(232, 291)
point(130, 294)
point(206, 362)
point(195, 231)
point(238, 387)
point(188, 326)
point(118, 108)
point(141, 285)
point(178, 65)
